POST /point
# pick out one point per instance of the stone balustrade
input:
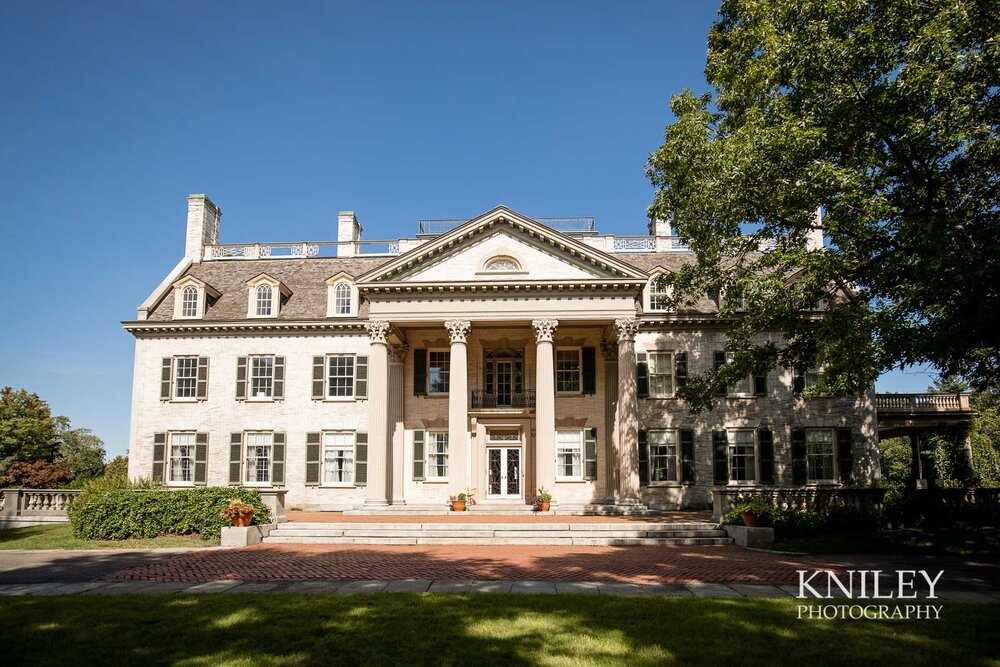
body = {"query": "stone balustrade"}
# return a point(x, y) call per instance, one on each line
point(31, 507)
point(865, 501)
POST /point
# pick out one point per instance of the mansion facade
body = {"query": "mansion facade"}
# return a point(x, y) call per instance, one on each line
point(501, 354)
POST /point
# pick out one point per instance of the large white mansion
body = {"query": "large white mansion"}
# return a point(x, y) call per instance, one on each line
point(500, 354)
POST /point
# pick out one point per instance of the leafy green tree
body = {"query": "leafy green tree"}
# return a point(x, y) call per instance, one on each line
point(885, 115)
point(27, 429)
point(81, 450)
point(117, 468)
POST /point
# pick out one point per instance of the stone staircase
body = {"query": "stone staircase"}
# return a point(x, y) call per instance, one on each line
point(619, 533)
point(498, 509)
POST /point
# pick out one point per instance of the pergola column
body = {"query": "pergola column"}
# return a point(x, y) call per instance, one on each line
point(397, 361)
point(458, 405)
point(627, 414)
point(378, 413)
point(545, 405)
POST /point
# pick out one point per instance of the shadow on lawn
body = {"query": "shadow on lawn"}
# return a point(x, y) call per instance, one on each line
point(471, 629)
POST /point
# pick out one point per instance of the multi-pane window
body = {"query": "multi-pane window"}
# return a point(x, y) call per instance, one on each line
point(813, 377)
point(661, 373)
point(342, 299)
point(819, 455)
point(742, 459)
point(258, 457)
point(662, 456)
point(502, 264)
point(186, 377)
point(264, 300)
point(659, 294)
point(181, 464)
point(261, 377)
point(568, 371)
point(189, 301)
point(569, 454)
point(742, 387)
point(338, 458)
point(437, 455)
point(340, 376)
point(438, 371)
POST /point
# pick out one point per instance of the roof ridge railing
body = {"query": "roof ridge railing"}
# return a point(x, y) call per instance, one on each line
point(304, 249)
point(578, 225)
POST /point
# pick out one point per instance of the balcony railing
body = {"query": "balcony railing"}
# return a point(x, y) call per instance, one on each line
point(483, 400)
point(923, 403)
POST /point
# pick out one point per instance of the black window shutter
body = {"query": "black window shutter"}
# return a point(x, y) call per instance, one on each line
point(845, 456)
point(799, 470)
point(488, 375)
point(168, 364)
point(235, 457)
point(202, 378)
point(765, 440)
point(279, 379)
point(798, 382)
point(159, 453)
point(643, 459)
point(318, 386)
point(681, 369)
point(720, 361)
point(418, 456)
point(590, 454)
point(201, 459)
point(720, 457)
point(760, 385)
point(360, 459)
point(687, 456)
point(361, 377)
point(518, 377)
point(241, 378)
point(589, 370)
point(278, 460)
point(312, 459)
point(420, 372)
point(641, 375)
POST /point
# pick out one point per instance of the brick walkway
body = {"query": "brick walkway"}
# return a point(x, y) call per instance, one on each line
point(473, 517)
point(640, 565)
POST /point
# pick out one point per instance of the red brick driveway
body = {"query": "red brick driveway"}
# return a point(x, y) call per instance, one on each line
point(287, 562)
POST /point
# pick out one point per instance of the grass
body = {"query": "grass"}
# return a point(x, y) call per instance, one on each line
point(61, 536)
point(954, 539)
point(479, 629)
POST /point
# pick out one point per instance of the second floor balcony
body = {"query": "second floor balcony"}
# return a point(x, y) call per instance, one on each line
point(502, 400)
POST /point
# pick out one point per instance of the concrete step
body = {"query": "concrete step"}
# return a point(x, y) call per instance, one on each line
point(486, 533)
point(489, 541)
point(539, 526)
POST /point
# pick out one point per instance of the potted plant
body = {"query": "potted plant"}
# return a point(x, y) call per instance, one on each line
point(238, 512)
point(756, 514)
point(458, 502)
point(543, 499)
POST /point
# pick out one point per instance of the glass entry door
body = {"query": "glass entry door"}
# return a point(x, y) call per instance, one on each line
point(503, 472)
point(505, 382)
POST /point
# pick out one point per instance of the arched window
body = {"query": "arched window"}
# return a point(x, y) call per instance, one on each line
point(265, 301)
point(342, 299)
point(659, 293)
point(501, 264)
point(189, 301)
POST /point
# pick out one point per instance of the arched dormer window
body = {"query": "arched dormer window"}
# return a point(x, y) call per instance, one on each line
point(659, 294)
point(502, 264)
point(265, 301)
point(189, 301)
point(342, 301)
point(342, 297)
point(192, 296)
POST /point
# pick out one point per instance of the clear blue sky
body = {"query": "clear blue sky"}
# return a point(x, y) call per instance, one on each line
point(285, 113)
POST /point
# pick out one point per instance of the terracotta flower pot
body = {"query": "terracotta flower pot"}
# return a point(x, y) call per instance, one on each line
point(543, 505)
point(458, 506)
point(752, 520)
point(243, 521)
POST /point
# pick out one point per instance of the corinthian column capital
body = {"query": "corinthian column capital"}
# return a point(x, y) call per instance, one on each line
point(378, 331)
point(397, 353)
point(627, 326)
point(458, 330)
point(545, 329)
point(609, 351)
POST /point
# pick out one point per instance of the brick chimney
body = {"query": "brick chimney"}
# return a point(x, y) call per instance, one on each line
point(202, 226)
point(349, 234)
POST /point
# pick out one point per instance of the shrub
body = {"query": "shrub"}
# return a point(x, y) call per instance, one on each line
point(36, 475)
point(117, 467)
point(111, 509)
point(796, 523)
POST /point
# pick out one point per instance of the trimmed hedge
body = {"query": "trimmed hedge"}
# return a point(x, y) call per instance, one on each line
point(799, 523)
point(120, 513)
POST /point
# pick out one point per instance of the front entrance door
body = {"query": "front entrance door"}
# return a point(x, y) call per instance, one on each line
point(503, 472)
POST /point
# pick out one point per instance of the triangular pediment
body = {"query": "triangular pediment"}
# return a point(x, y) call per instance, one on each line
point(502, 246)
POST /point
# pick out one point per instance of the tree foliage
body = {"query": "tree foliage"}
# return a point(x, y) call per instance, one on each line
point(36, 475)
point(884, 114)
point(27, 429)
point(80, 449)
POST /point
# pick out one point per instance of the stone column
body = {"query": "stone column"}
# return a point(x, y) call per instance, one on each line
point(545, 403)
point(610, 473)
point(627, 415)
point(458, 406)
point(397, 361)
point(378, 413)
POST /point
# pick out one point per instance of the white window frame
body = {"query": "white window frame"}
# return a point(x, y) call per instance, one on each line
point(184, 292)
point(735, 390)
point(650, 435)
point(276, 296)
point(175, 379)
point(351, 445)
point(672, 374)
point(561, 450)
point(487, 267)
point(731, 445)
point(579, 371)
point(652, 293)
point(179, 290)
point(832, 455)
point(447, 358)
point(251, 396)
point(354, 376)
point(433, 441)
point(260, 301)
point(169, 457)
point(332, 283)
point(338, 288)
point(246, 457)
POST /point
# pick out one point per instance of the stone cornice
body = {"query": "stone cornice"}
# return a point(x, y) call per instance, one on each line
point(147, 328)
point(492, 287)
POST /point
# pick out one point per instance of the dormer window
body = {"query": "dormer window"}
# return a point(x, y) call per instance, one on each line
point(342, 296)
point(265, 296)
point(659, 294)
point(191, 298)
point(189, 301)
point(265, 300)
point(502, 264)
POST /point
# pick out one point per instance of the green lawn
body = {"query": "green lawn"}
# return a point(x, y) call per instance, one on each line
point(61, 537)
point(956, 539)
point(473, 629)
